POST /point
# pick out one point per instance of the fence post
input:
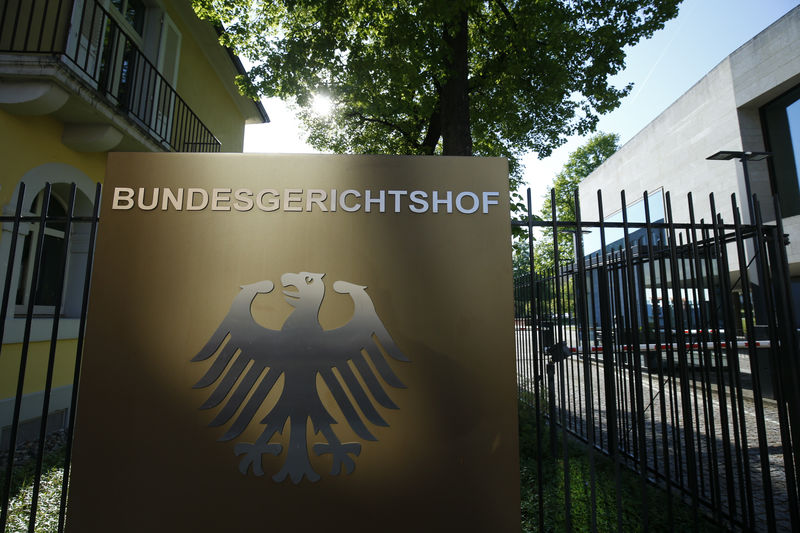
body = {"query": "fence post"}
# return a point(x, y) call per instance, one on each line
point(551, 405)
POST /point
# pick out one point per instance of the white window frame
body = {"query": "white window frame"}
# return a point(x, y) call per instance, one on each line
point(28, 263)
point(35, 180)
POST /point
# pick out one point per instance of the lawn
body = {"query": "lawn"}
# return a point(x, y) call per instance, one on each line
point(49, 494)
point(553, 492)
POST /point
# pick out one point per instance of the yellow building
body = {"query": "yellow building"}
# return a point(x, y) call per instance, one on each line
point(80, 78)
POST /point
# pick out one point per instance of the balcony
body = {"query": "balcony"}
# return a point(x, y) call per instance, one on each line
point(74, 60)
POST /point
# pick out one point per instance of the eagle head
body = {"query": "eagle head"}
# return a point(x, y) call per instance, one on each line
point(310, 288)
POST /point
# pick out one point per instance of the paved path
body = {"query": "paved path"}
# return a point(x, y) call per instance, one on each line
point(704, 418)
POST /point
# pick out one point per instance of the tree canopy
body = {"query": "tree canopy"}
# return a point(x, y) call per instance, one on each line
point(580, 164)
point(453, 77)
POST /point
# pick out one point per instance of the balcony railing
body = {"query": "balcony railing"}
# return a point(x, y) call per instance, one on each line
point(106, 58)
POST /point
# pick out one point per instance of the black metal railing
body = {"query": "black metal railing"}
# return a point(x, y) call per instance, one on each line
point(670, 352)
point(22, 475)
point(105, 57)
point(661, 369)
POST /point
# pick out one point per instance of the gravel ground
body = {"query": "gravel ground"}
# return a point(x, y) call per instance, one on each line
point(26, 451)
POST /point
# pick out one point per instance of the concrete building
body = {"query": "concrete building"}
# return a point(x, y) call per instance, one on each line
point(80, 78)
point(749, 102)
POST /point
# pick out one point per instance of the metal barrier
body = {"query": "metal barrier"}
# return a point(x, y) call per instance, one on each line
point(107, 60)
point(44, 259)
point(669, 353)
point(668, 359)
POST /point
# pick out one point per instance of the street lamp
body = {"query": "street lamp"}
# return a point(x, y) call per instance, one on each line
point(744, 157)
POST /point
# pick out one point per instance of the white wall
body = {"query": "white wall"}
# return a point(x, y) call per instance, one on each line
point(720, 112)
point(670, 152)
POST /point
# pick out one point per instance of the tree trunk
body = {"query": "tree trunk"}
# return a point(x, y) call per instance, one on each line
point(434, 129)
point(456, 135)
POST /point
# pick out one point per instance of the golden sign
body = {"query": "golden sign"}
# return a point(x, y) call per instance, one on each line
point(293, 342)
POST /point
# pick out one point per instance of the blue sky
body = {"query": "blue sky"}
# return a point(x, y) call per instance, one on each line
point(674, 59)
point(662, 68)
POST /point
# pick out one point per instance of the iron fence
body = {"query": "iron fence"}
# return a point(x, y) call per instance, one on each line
point(107, 60)
point(665, 361)
point(666, 351)
point(28, 247)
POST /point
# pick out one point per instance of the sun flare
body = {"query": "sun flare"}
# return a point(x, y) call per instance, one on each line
point(322, 105)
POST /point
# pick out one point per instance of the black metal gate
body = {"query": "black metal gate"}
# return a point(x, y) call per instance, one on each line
point(48, 248)
point(658, 374)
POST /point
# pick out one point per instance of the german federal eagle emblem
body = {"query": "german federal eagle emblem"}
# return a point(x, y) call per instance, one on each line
point(249, 359)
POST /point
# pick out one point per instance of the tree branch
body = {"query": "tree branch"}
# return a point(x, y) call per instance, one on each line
point(391, 125)
point(477, 80)
point(507, 13)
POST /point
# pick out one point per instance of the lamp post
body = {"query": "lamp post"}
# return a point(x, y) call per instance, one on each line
point(744, 157)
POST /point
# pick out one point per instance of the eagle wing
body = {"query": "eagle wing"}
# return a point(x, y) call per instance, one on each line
point(363, 337)
point(255, 357)
point(246, 341)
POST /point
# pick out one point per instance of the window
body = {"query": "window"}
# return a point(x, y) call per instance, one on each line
point(133, 11)
point(55, 265)
point(24, 238)
point(793, 117)
point(636, 214)
point(130, 51)
point(113, 34)
point(781, 122)
point(52, 263)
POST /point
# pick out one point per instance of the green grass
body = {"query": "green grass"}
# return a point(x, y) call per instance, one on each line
point(580, 490)
point(19, 508)
point(553, 491)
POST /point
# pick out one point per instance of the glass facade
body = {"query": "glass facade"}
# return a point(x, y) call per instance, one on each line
point(793, 117)
point(781, 122)
point(615, 237)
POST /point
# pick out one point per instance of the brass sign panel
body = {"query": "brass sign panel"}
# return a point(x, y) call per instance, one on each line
point(289, 343)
